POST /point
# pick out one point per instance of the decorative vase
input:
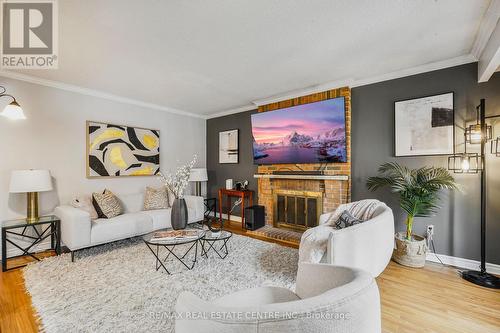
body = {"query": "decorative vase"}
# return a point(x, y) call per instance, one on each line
point(411, 253)
point(179, 215)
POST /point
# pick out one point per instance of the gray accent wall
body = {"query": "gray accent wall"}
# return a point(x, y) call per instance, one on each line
point(457, 226)
point(245, 169)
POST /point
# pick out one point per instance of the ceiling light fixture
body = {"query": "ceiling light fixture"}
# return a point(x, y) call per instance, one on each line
point(13, 110)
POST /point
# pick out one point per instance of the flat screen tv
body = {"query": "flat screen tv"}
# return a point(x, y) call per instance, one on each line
point(307, 133)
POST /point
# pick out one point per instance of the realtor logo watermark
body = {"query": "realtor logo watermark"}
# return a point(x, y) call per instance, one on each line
point(29, 34)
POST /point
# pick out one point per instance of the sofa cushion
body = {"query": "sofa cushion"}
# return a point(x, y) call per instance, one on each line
point(132, 203)
point(106, 204)
point(156, 198)
point(160, 218)
point(346, 220)
point(119, 227)
point(84, 202)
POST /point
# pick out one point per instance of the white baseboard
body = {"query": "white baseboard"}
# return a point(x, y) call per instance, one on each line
point(463, 263)
point(233, 217)
point(14, 251)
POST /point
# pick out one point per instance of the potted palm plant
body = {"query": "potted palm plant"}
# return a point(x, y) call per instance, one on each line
point(418, 191)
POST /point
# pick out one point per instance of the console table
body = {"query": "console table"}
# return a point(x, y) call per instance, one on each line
point(246, 201)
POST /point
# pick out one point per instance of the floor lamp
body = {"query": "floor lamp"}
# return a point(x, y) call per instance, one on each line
point(478, 133)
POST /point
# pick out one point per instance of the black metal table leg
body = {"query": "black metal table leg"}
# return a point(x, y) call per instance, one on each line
point(222, 252)
point(4, 250)
point(58, 240)
point(52, 236)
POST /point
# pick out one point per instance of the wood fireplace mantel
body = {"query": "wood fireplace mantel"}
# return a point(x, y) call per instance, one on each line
point(303, 177)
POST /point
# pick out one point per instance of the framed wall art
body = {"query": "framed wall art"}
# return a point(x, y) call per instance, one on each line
point(424, 126)
point(118, 151)
point(228, 146)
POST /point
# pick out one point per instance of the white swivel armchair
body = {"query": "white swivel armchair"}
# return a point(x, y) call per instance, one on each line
point(368, 245)
point(327, 299)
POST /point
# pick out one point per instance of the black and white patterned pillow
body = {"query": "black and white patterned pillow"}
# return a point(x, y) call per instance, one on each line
point(106, 204)
point(156, 198)
point(346, 220)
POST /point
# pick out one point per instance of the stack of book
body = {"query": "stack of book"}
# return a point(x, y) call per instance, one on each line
point(174, 234)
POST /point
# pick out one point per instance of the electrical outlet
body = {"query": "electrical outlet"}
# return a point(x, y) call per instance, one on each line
point(430, 230)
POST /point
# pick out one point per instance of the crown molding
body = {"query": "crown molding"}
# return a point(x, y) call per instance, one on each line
point(429, 67)
point(489, 61)
point(452, 62)
point(244, 108)
point(304, 92)
point(486, 28)
point(461, 60)
point(94, 93)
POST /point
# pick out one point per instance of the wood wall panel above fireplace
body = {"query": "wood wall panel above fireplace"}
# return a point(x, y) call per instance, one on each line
point(335, 182)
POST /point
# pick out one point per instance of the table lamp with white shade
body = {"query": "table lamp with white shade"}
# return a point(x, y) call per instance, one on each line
point(31, 182)
point(198, 175)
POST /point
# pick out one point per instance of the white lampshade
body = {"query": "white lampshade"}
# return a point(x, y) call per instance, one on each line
point(198, 175)
point(22, 181)
point(13, 111)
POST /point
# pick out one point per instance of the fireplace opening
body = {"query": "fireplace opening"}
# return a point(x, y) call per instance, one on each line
point(297, 210)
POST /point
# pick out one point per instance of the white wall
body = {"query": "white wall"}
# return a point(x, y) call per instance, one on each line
point(53, 137)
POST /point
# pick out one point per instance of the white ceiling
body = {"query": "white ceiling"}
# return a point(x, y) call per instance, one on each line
point(205, 57)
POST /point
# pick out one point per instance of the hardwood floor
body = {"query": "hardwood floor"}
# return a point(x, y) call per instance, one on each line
point(432, 299)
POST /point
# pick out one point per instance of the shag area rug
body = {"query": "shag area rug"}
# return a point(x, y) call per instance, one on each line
point(115, 287)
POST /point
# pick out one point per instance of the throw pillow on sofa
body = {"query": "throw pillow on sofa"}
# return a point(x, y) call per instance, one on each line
point(156, 198)
point(346, 220)
point(84, 202)
point(106, 204)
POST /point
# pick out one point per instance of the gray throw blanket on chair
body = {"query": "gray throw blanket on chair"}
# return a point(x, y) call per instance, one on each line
point(313, 243)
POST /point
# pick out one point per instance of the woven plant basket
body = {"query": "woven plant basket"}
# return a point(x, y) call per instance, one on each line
point(410, 253)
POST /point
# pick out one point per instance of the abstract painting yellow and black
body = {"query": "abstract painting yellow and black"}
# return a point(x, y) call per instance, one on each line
point(115, 150)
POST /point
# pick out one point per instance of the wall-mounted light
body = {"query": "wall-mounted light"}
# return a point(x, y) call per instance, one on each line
point(13, 110)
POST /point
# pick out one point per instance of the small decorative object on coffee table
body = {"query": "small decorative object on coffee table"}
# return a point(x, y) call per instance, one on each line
point(169, 240)
point(211, 238)
point(176, 183)
point(46, 226)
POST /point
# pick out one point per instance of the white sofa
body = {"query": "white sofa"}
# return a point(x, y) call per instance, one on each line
point(78, 231)
point(327, 299)
point(368, 245)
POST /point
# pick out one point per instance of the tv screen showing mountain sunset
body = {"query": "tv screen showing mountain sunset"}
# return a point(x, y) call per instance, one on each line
point(307, 133)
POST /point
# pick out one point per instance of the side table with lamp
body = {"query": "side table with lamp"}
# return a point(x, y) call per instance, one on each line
point(30, 182)
point(199, 175)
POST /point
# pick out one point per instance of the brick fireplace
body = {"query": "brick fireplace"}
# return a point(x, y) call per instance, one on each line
point(330, 189)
